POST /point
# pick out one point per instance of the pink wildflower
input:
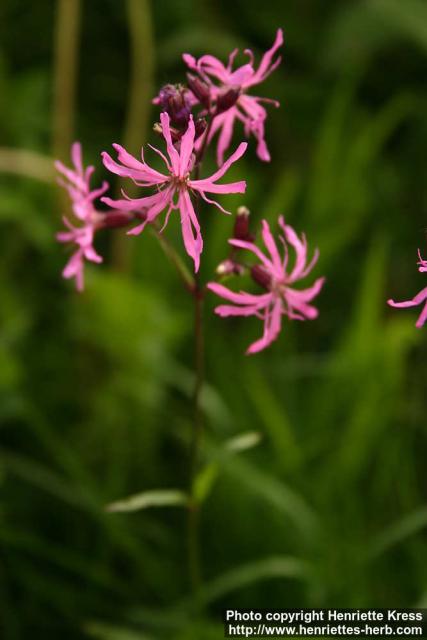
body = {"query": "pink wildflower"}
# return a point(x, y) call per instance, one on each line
point(172, 189)
point(420, 298)
point(77, 184)
point(246, 108)
point(272, 273)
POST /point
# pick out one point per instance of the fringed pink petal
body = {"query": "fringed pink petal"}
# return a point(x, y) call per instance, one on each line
point(241, 298)
point(172, 152)
point(190, 228)
point(187, 146)
point(272, 326)
point(267, 65)
point(271, 247)
point(418, 299)
point(203, 185)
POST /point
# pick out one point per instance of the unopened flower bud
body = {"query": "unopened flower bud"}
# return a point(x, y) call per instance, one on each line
point(261, 276)
point(225, 268)
point(241, 224)
point(176, 134)
point(200, 89)
point(117, 219)
point(200, 126)
point(229, 267)
point(226, 100)
point(175, 100)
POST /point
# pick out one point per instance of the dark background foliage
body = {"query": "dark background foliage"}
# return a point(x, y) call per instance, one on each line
point(330, 507)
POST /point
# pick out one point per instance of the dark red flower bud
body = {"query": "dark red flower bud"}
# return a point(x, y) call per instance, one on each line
point(176, 134)
point(241, 224)
point(226, 100)
point(200, 126)
point(118, 218)
point(261, 276)
point(200, 89)
point(175, 100)
point(229, 267)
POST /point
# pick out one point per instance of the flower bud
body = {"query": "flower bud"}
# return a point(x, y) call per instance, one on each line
point(200, 89)
point(229, 267)
point(261, 276)
point(241, 224)
point(200, 126)
point(176, 134)
point(226, 100)
point(117, 219)
point(175, 100)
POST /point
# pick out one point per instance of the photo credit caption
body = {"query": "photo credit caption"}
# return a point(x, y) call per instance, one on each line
point(326, 623)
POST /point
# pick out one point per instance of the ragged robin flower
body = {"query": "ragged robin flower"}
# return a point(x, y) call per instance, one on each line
point(173, 189)
point(88, 220)
point(229, 90)
point(273, 274)
point(420, 298)
point(77, 183)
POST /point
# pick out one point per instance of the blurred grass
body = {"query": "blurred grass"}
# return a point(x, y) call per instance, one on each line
point(329, 508)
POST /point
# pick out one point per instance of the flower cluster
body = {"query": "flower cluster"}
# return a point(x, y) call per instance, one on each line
point(227, 89)
point(215, 97)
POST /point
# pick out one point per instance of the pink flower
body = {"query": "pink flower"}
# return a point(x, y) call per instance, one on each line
point(246, 108)
point(172, 189)
point(273, 274)
point(420, 298)
point(77, 184)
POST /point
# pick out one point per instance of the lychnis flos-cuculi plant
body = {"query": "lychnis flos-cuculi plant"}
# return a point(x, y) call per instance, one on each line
point(215, 102)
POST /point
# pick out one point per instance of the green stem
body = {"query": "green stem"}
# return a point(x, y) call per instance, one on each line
point(139, 102)
point(186, 277)
point(67, 29)
point(194, 552)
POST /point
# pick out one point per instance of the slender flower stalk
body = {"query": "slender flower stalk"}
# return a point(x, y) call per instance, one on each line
point(193, 521)
point(194, 551)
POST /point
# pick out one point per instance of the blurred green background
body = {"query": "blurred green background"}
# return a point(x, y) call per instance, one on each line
point(330, 507)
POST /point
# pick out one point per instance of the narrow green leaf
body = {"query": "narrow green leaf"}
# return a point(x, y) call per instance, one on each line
point(243, 441)
point(253, 572)
point(409, 17)
point(206, 478)
point(155, 498)
point(204, 482)
point(103, 631)
point(273, 491)
point(399, 531)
